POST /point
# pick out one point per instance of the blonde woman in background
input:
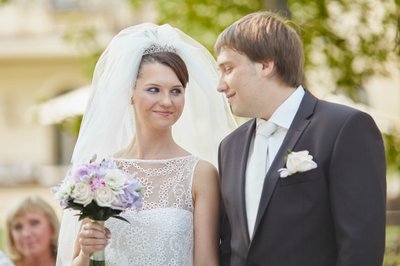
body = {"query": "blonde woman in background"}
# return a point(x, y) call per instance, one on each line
point(32, 232)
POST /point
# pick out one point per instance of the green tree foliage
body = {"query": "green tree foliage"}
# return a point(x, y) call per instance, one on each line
point(354, 38)
point(71, 125)
point(201, 19)
point(392, 147)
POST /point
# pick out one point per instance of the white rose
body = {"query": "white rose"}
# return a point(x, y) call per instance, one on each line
point(104, 196)
point(296, 162)
point(114, 179)
point(82, 194)
point(300, 161)
point(64, 192)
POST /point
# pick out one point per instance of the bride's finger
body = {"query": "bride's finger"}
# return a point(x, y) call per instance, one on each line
point(92, 232)
point(93, 242)
point(88, 248)
point(98, 227)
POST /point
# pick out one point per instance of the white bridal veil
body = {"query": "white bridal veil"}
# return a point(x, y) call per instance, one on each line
point(108, 123)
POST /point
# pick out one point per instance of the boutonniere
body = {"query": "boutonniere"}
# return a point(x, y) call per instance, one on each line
point(300, 161)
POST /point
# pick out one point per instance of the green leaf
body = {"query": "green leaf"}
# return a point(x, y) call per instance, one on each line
point(120, 218)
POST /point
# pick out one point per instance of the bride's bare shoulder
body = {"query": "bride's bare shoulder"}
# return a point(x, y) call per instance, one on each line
point(205, 172)
point(205, 181)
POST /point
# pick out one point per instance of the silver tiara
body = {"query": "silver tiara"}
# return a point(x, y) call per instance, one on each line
point(156, 48)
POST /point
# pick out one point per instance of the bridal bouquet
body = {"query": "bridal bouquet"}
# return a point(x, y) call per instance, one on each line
point(99, 191)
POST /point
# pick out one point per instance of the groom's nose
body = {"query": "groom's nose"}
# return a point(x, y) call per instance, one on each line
point(222, 87)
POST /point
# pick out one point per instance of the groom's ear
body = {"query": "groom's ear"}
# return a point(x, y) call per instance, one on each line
point(268, 68)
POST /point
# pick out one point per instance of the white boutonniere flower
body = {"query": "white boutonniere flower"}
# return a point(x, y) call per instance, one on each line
point(296, 162)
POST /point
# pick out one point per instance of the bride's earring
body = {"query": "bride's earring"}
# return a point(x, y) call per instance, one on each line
point(132, 103)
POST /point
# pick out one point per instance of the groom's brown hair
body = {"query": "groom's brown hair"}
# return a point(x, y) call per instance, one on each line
point(262, 37)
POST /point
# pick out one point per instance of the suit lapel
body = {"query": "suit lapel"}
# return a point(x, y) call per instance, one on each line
point(299, 124)
point(241, 161)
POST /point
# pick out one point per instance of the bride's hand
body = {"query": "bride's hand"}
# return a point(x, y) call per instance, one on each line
point(93, 237)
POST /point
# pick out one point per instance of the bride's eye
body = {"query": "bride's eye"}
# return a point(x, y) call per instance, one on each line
point(176, 91)
point(153, 89)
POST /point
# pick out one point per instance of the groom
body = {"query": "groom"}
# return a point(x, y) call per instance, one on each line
point(324, 210)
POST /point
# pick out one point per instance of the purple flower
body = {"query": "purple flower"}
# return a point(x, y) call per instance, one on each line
point(136, 190)
point(123, 201)
point(130, 196)
point(98, 171)
point(82, 173)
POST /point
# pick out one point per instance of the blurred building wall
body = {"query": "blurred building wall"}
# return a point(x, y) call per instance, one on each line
point(36, 64)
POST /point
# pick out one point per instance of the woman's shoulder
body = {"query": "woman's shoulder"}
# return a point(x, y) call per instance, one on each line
point(205, 180)
point(205, 166)
point(204, 172)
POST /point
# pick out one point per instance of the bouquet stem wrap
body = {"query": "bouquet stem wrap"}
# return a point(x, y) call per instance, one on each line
point(98, 257)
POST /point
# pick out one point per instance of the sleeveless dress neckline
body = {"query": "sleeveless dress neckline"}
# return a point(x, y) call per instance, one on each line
point(154, 160)
point(162, 232)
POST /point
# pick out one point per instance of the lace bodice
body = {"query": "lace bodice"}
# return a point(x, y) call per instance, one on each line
point(162, 232)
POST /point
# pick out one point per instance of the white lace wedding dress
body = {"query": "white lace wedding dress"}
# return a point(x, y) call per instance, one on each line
point(162, 232)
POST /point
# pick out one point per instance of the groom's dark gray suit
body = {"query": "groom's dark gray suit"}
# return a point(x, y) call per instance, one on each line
point(331, 215)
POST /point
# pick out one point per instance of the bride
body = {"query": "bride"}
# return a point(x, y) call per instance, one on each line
point(155, 111)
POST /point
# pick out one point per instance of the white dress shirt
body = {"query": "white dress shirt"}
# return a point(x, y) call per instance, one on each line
point(283, 118)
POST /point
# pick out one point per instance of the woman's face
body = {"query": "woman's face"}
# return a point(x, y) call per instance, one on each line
point(31, 233)
point(158, 97)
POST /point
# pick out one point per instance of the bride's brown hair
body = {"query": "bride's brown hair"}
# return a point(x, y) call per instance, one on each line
point(169, 59)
